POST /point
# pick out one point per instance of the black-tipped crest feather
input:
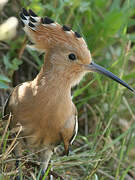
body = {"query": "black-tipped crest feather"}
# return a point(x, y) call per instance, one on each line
point(22, 16)
point(47, 20)
point(31, 25)
point(77, 35)
point(66, 28)
point(33, 20)
point(32, 13)
point(25, 12)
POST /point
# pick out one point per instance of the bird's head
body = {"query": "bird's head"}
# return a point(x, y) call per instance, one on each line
point(66, 51)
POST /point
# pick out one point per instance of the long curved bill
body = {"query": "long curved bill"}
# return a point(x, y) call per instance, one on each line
point(96, 68)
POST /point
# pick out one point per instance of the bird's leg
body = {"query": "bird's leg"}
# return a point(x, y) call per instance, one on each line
point(45, 158)
point(17, 152)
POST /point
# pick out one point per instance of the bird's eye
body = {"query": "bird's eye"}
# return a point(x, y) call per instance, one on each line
point(72, 56)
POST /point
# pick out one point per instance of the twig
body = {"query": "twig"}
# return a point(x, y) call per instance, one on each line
point(93, 112)
point(107, 175)
point(5, 131)
point(30, 62)
point(10, 148)
point(10, 173)
point(21, 50)
point(33, 176)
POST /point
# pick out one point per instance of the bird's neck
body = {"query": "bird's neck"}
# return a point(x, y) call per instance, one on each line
point(53, 81)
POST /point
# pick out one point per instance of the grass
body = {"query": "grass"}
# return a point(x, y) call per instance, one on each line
point(105, 146)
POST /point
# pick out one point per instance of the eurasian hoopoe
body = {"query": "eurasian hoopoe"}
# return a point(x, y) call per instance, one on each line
point(44, 106)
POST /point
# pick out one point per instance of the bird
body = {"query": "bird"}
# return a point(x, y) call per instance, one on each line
point(44, 106)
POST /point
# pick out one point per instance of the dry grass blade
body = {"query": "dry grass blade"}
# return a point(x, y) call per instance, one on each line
point(11, 147)
point(10, 173)
point(33, 176)
point(5, 131)
point(93, 171)
point(93, 112)
point(22, 48)
point(105, 174)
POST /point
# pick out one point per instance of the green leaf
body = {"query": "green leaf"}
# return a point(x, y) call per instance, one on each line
point(4, 78)
point(7, 62)
point(80, 90)
point(15, 63)
point(3, 86)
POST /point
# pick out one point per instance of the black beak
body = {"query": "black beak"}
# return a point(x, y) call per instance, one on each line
point(96, 68)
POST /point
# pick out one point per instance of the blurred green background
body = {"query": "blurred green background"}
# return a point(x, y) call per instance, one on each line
point(105, 146)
